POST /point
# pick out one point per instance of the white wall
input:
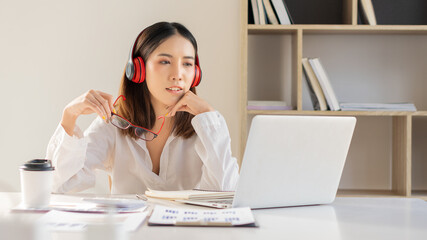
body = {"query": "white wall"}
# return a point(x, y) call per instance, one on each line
point(53, 51)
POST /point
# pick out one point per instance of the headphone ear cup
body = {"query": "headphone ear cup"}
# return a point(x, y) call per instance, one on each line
point(197, 76)
point(139, 65)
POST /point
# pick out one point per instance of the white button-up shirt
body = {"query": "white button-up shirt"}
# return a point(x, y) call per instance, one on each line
point(202, 161)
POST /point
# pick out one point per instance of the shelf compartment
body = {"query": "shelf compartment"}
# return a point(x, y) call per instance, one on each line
point(279, 80)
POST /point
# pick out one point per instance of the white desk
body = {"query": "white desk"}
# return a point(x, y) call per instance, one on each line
point(346, 218)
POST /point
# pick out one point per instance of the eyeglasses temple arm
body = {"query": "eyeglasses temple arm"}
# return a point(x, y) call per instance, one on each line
point(124, 99)
point(162, 124)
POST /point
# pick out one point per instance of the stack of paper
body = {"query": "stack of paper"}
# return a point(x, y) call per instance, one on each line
point(71, 221)
point(188, 194)
point(193, 217)
point(378, 107)
point(90, 205)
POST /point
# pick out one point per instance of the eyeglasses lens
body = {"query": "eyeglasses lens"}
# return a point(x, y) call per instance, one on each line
point(144, 134)
point(119, 122)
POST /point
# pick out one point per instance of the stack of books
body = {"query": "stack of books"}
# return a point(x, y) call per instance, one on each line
point(323, 96)
point(268, 105)
point(321, 92)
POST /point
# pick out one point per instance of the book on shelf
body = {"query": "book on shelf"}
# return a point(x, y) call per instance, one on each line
point(368, 11)
point(268, 105)
point(325, 84)
point(270, 12)
point(189, 194)
point(261, 13)
point(316, 93)
point(409, 107)
point(282, 12)
point(255, 11)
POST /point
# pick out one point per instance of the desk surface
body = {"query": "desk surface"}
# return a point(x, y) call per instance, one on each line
point(346, 218)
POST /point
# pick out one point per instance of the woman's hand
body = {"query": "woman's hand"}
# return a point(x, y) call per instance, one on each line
point(191, 103)
point(92, 101)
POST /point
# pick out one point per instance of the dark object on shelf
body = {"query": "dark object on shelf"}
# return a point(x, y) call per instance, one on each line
point(400, 12)
point(316, 11)
point(250, 13)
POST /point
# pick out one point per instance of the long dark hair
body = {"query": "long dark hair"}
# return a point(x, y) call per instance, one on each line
point(138, 108)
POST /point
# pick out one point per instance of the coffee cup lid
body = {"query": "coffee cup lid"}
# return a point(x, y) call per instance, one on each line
point(38, 165)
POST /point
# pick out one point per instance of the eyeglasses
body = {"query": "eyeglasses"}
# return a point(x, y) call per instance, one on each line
point(123, 123)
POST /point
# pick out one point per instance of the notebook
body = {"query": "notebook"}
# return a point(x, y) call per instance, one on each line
point(290, 161)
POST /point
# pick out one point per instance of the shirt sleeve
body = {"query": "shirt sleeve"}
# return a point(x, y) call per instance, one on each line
point(220, 170)
point(76, 157)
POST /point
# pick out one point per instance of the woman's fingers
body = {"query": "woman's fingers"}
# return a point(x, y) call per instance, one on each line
point(90, 102)
point(93, 104)
point(182, 103)
point(110, 100)
point(104, 104)
point(191, 103)
point(101, 103)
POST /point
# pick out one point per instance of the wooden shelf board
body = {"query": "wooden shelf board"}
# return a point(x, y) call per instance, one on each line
point(420, 113)
point(422, 194)
point(344, 28)
point(337, 113)
point(367, 193)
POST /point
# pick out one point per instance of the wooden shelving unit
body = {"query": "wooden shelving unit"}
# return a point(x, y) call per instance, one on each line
point(401, 121)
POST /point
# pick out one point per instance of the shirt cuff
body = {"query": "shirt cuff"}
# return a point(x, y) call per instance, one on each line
point(208, 119)
point(62, 138)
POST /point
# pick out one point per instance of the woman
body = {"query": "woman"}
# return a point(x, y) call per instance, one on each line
point(157, 134)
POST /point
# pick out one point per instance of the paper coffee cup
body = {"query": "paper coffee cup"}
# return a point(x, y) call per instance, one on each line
point(36, 183)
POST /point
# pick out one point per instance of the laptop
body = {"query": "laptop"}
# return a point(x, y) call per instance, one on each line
point(290, 161)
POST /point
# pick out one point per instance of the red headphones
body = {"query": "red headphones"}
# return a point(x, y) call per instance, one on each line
point(135, 68)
